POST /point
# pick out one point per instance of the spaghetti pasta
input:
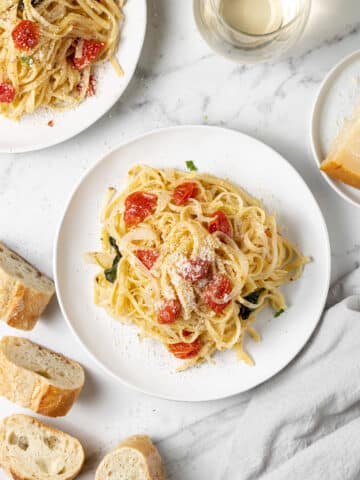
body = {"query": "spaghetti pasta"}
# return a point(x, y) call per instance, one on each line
point(48, 49)
point(191, 260)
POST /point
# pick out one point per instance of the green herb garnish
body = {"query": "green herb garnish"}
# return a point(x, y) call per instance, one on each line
point(253, 297)
point(110, 273)
point(279, 312)
point(28, 60)
point(113, 243)
point(190, 165)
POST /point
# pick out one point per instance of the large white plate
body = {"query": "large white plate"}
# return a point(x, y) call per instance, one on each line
point(33, 132)
point(335, 102)
point(147, 366)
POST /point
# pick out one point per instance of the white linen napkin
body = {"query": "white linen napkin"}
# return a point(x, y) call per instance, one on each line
point(303, 424)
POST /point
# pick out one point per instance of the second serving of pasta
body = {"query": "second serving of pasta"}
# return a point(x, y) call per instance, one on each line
point(191, 260)
point(48, 49)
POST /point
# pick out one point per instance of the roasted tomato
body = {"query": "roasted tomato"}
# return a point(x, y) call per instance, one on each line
point(185, 350)
point(89, 53)
point(194, 270)
point(218, 289)
point(138, 206)
point(220, 223)
point(184, 191)
point(26, 35)
point(170, 311)
point(147, 257)
point(7, 92)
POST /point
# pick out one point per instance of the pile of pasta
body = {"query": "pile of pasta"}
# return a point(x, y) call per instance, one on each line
point(191, 260)
point(48, 49)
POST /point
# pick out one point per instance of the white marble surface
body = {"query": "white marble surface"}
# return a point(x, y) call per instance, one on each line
point(179, 81)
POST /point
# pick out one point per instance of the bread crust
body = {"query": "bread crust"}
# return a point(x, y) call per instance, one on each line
point(143, 445)
point(20, 306)
point(33, 391)
point(16, 477)
point(153, 461)
point(11, 469)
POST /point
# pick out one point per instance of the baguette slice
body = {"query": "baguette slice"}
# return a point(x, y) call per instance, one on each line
point(343, 161)
point(31, 450)
point(24, 291)
point(136, 458)
point(37, 378)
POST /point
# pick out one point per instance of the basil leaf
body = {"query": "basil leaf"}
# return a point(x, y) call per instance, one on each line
point(244, 312)
point(110, 273)
point(28, 60)
point(253, 297)
point(113, 243)
point(190, 165)
point(279, 312)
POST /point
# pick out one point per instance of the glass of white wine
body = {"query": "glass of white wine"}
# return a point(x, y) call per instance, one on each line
point(251, 31)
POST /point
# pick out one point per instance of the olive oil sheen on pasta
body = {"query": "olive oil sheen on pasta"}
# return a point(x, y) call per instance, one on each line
point(255, 17)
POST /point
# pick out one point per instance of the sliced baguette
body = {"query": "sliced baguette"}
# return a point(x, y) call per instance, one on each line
point(136, 458)
point(37, 378)
point(31, 450)
point(24, 291)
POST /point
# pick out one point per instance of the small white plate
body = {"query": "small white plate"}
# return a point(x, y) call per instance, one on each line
point(336, 101)
point(148, 366)
point(32, 131)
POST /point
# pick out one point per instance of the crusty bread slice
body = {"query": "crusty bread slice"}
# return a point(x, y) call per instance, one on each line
point(31, 450)
point(24, 291)
point(136, 458)
point(37, 378)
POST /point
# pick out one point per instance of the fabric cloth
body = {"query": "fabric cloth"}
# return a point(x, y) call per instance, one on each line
point(305, 422)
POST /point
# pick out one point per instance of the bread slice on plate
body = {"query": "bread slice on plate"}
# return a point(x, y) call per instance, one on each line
point(31, 450)
point(24, 291)
point(136, 458)
point(38, 378)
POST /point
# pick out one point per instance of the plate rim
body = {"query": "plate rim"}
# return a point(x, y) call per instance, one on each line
point(98, 362)
point(42, 146)
point(314, 129)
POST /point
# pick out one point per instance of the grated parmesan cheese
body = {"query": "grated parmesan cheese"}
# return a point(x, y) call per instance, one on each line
point(207, 250)
point(185, 292)
point(168, 293)
point(202, 283)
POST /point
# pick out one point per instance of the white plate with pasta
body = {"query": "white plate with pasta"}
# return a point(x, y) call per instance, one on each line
point(63, 64)
point(192, 284)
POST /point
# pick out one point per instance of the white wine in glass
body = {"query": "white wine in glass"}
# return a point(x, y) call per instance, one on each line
point(250, 31)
